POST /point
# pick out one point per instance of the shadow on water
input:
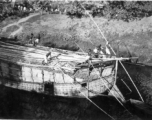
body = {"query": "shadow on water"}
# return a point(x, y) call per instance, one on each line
point(142, 77)
point(22, 104)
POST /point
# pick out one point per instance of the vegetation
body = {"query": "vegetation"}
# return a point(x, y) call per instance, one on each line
point(14, 11)
point(120, 10)
point(128, 10)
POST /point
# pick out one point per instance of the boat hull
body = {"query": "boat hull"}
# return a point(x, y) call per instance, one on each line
point(54, 82)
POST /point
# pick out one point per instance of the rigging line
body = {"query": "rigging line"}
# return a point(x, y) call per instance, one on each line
point(101, 33)
point(110, 90)
point(119, 101)
point(114, 88)
point(127, 49)
point(128, 76)
point(97, 106)
point(101, 94)
point(126, 85)
point(105, 83)
point(132, 81)
point(114, 95)
point(116, 69)
point(98, 28)
point(91, 100)
point(78, 46)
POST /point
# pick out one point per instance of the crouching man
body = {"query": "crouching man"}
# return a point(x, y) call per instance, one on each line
point(47, 57)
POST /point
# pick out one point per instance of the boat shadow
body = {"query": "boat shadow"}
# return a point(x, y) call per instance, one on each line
point(142, 77)
point(31, 105)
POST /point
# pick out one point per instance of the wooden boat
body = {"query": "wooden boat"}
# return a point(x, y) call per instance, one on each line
point(66, 75)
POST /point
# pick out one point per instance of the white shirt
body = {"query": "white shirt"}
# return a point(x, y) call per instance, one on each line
point(101, 52)
point(107, 51)
point(95, 50)
point(37, 40)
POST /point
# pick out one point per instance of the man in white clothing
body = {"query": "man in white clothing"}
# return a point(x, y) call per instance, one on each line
point(108, 53)
point(96, 52)
point(104, 51)
point(36, 42)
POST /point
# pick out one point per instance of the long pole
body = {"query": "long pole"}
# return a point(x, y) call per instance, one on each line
point(99, 29)
point(113, 52)
point(91, 100)
point(132, 81)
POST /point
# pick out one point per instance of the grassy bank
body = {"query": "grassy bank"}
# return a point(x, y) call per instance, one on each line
point(60, 31)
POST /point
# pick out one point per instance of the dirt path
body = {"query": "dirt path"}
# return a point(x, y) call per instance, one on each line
point(17, 24)
point(17, 31)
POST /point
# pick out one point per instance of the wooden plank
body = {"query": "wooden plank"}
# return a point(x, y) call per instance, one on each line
point(35, 56)
point(44, 49)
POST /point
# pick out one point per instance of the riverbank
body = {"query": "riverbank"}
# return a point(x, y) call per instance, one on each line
point(62, 32)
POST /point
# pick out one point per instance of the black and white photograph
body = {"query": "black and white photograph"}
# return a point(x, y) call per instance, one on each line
point(76, 59)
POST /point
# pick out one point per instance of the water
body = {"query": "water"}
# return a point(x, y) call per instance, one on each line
point(17, 104)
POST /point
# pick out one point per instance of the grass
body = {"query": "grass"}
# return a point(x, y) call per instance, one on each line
point(62, 32)
point(33, 19)
point(10, 30)
point(7, 21)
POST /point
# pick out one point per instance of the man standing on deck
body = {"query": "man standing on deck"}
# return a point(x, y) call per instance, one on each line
point(108, 53)
point(31, 38)
point(96, 51)
point(101, 51)
point(104, 51)
point(36, 42)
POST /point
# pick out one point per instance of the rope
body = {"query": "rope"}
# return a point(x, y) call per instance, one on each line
point(104, 82)
point(91, 100)
point(126, 85)
point(132, 81)
point(109, 89)
point(99, 29)
point(113, 51)
point(78, 46)
point(97, 106)
point(116, 69)
point(114, 89)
